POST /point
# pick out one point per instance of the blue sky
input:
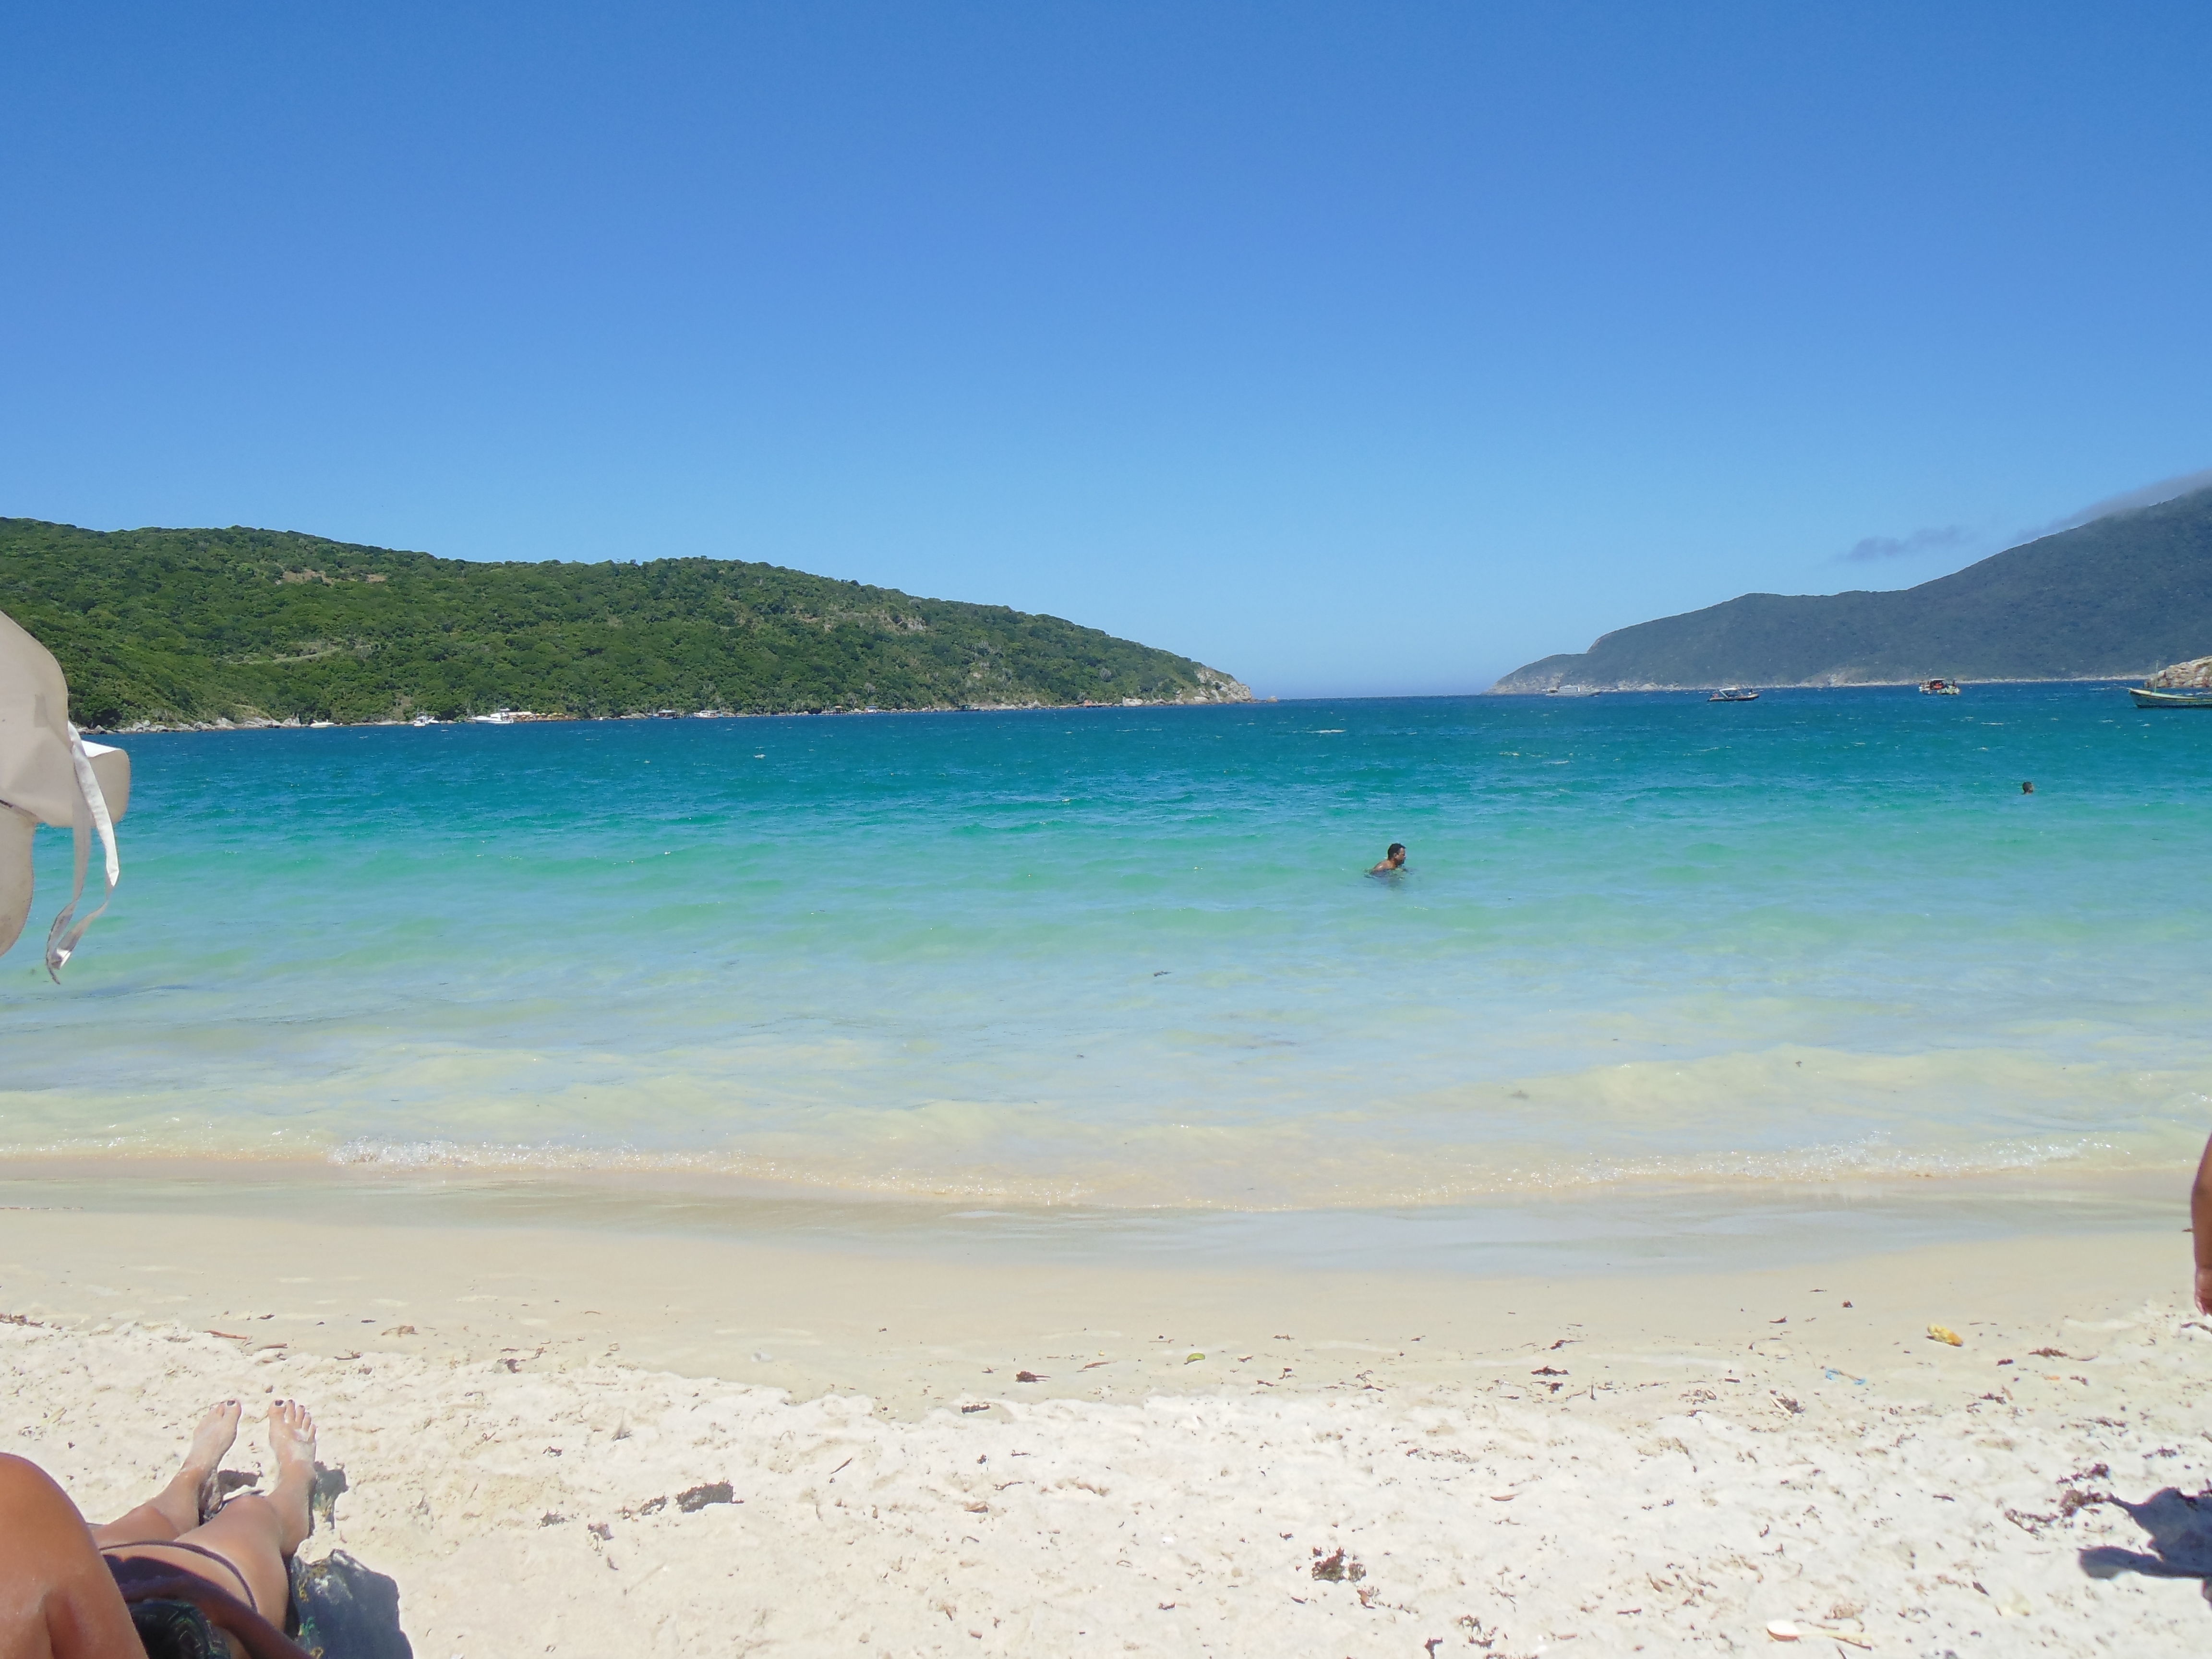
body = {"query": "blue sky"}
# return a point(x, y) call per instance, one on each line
point(1350, 348)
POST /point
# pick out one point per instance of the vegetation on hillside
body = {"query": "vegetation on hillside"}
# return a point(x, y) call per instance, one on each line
point(2113, 599)
point(178, 626)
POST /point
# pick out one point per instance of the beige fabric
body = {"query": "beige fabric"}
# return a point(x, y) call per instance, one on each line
point(16, 829)
point(50, 775)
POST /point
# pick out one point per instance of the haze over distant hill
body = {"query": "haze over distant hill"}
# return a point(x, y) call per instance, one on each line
point(2113, 599)
point(175, 626)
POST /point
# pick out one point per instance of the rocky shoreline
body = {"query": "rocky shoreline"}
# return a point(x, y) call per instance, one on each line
point(1225, 691)
point(2195, 675)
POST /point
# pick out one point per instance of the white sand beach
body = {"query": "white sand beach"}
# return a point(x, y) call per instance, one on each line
point(1507, 1467)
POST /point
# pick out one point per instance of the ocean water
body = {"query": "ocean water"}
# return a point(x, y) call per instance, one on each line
point(1129, 959)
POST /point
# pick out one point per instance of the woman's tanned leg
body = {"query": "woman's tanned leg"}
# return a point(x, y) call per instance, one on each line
point(176, 1508)
point(56, 1595)
point(257, 1534)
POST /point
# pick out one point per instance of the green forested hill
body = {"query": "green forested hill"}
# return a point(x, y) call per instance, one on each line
point(195, 625)
point(2117, 597)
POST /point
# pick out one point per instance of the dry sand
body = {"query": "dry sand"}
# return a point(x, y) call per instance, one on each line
point(1510, 1467)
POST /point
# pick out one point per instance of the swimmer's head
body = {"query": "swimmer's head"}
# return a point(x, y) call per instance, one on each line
point(1397, 850)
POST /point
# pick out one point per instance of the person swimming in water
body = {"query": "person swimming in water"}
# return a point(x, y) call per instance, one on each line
point(1393, 861)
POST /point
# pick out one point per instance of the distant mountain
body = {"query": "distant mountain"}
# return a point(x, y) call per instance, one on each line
point(200, 626)
point(2113, 599)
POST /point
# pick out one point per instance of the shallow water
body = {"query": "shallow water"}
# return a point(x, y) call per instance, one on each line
point(1128, 958)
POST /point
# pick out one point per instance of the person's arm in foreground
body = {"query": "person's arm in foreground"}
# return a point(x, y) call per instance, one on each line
point(2200, 1222)
point(56, 1598)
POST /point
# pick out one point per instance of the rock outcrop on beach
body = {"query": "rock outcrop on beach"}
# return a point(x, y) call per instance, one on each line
point(2195, 675)
point(2111, 600)
point(244, 628)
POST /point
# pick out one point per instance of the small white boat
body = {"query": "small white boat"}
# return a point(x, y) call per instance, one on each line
point(425, 719)
point(1733, 694)
point(1940, 689)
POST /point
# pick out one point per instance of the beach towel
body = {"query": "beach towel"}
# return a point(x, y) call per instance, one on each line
point(50, 775)
point(341, 1610)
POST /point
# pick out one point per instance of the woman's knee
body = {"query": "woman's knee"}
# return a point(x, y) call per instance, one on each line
point(28, 1495)
point(248, 1515)
point(248, 1532)
point(57, 1596)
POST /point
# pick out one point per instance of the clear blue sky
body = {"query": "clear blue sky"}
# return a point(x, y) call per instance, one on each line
point(1357, 348)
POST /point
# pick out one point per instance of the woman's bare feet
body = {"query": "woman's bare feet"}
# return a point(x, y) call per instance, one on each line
point(211, 1443)
point(191, 1497)
point(292, 1439)
point(213, 1438)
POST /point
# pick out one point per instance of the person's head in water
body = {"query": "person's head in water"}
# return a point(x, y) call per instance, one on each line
point(1393, 860)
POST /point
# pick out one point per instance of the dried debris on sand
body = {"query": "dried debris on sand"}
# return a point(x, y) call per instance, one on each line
point(1897, 1515)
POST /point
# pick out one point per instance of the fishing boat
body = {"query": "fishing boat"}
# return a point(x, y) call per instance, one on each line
point(1939, 688)
point(1733, 694)
point(2147, 698)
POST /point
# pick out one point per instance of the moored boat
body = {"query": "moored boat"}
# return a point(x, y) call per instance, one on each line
point(1733, 694)
point(1939, 688)
point(2147, 698)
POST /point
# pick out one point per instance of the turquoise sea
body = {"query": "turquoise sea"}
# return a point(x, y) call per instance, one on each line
point(1128, 959)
